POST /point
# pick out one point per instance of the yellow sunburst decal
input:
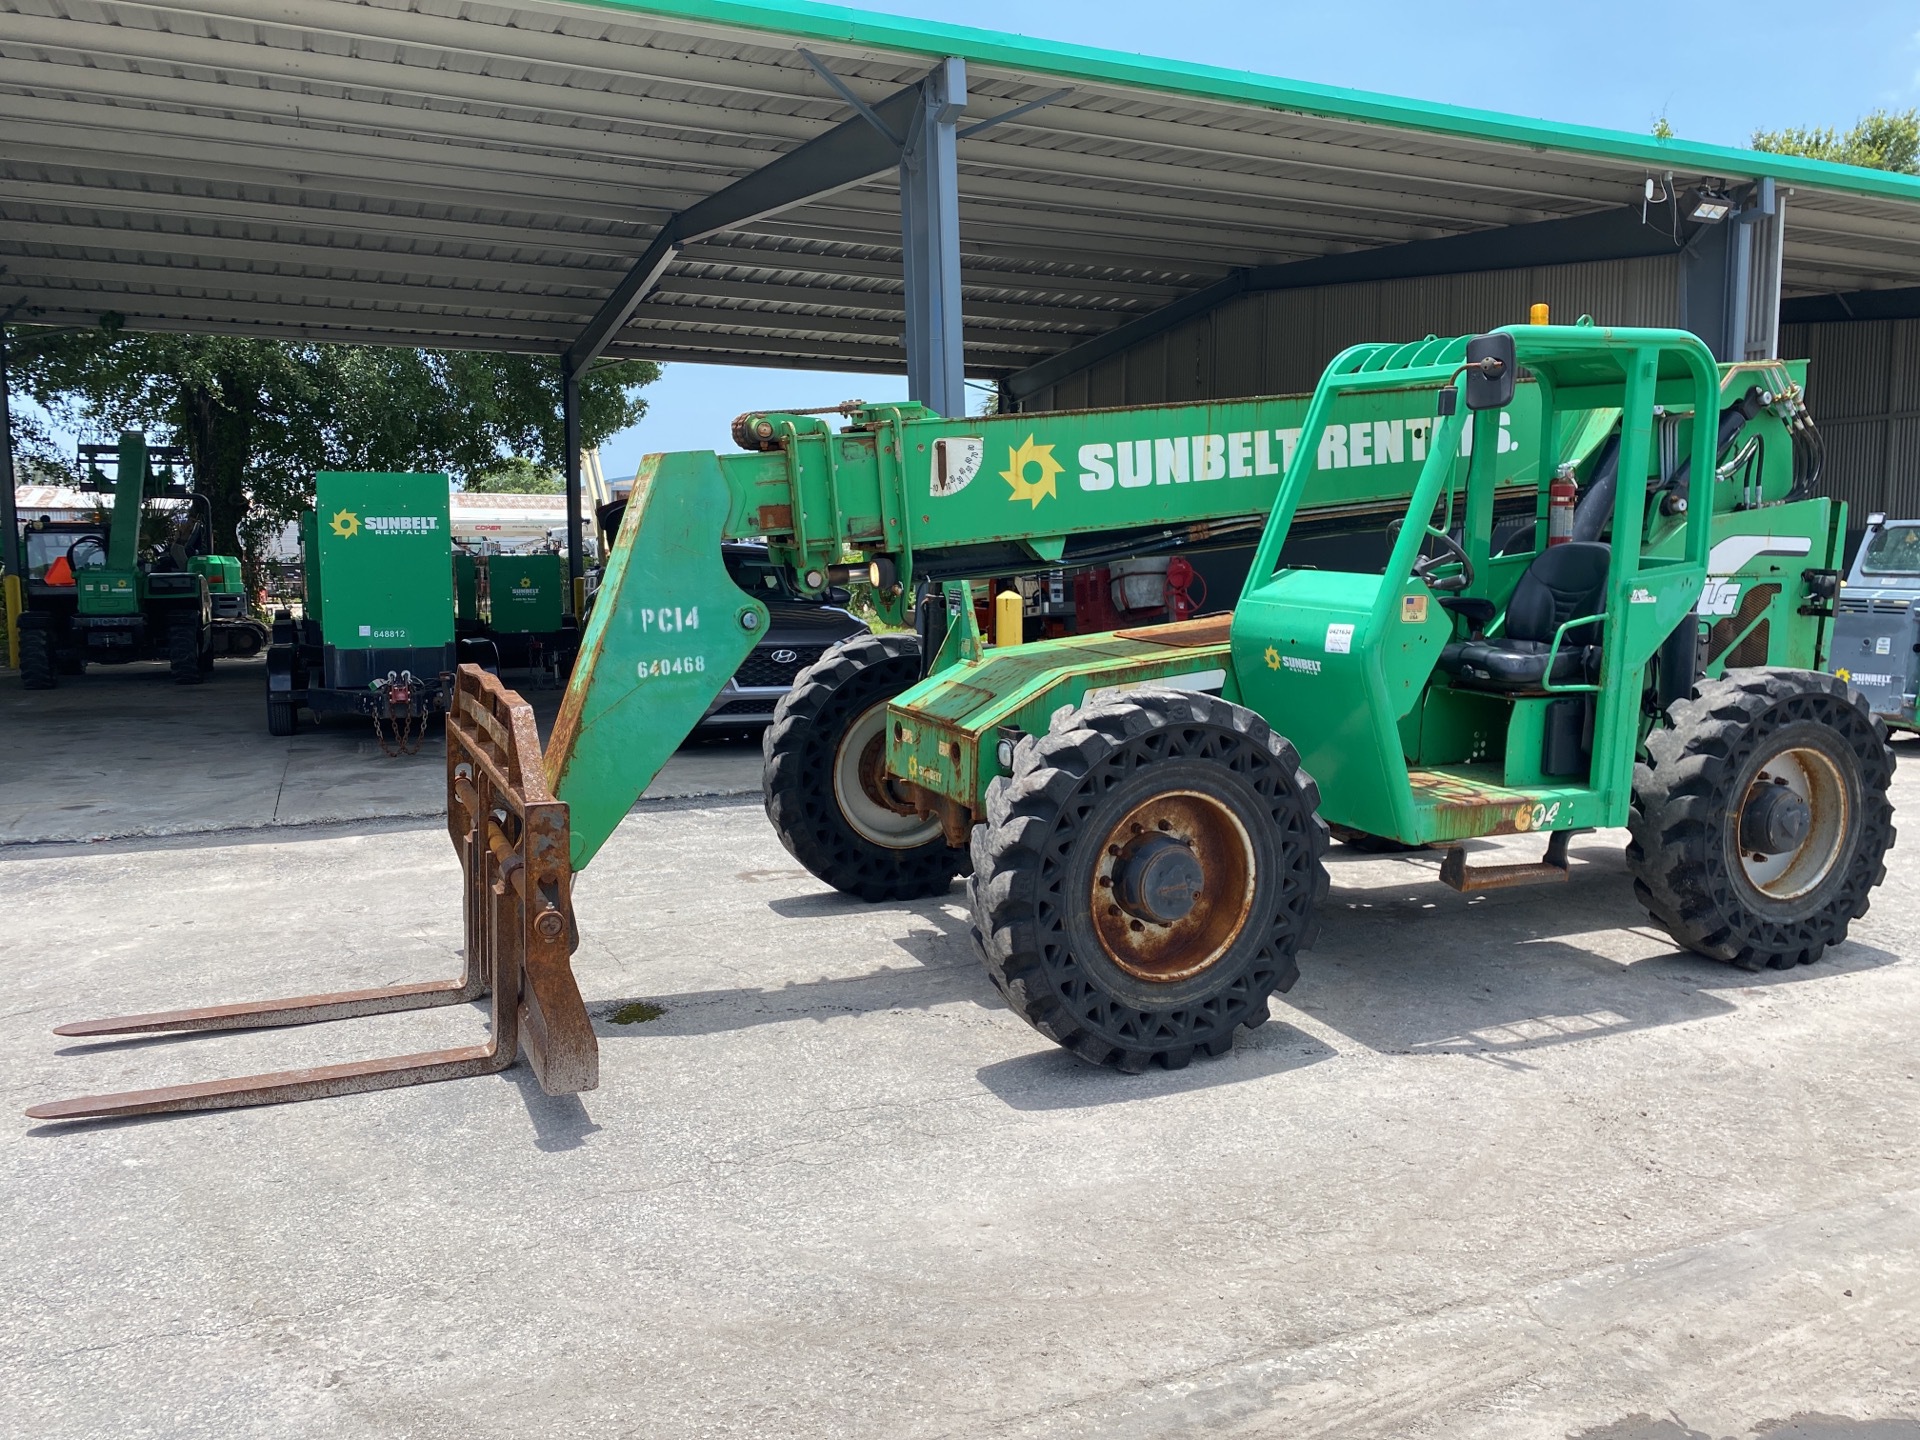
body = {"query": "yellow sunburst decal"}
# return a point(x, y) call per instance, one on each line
point(345, 524)
point(1272, 658)
point(1843, 675)
point(1028, 453)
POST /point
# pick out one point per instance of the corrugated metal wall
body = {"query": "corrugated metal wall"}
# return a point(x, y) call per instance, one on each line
point(1863, 385)
point(1278, 342)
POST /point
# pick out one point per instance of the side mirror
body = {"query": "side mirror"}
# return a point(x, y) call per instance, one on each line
point(1492, 370)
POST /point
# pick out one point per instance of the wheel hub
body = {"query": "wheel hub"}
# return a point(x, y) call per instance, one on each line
point(1791, 823)
point(1775, 820)
point(1173, 886)
point(1157, 878)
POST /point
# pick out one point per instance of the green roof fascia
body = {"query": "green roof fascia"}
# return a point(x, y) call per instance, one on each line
point(804, 20)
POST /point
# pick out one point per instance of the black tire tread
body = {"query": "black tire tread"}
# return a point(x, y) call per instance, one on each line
point(1019, 841)
point(36, 658)
point(798, 749)
point(183, 651)
point(283, 717)
point(1681, 799)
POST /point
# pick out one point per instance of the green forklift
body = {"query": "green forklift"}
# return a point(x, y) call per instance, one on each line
point(133, 583)
point(1143, 814)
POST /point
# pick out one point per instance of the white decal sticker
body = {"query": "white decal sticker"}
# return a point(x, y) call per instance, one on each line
point(1883, 645)
point(1735, 551)
point(1339, 639)
point(1299, 666)
point(1641, 596)
point(1720, 597)
point(956, 460)
point(1191, 680)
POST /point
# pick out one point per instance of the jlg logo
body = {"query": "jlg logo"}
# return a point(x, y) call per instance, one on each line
point(1721, 597)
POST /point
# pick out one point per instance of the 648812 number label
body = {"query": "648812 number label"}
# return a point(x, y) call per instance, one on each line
point(673, 665)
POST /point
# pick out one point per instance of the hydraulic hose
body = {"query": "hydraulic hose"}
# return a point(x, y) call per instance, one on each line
point(1594, 513)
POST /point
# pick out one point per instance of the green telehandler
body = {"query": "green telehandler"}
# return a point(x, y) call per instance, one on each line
point(1599, 596)
point(105, 592)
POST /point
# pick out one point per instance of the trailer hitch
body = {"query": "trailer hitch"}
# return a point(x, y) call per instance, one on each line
point(399, 706)
point(512, 838)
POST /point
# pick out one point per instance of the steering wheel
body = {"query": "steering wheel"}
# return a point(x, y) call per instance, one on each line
point(99, 545)
point(1451, 553)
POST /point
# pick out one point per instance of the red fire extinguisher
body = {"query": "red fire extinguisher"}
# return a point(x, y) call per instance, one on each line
point(1561, 497)
point(1180, 577)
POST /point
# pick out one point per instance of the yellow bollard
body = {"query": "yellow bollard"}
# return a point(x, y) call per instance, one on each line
point(15, 602)
point(1009, 625)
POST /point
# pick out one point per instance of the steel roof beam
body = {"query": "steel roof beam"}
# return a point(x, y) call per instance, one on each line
point(1610, 235)
point(851, 152)
point(1900, 303)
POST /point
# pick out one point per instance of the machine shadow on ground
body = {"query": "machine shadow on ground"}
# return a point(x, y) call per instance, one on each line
point(1494, 976)
point(945, 971)
point(1505, 972)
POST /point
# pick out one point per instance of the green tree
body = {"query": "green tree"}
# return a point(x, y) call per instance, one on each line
point(1884, 140)
point(259, 417)
point(516, 475)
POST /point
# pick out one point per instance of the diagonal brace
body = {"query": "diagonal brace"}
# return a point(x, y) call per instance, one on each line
point(856, 150)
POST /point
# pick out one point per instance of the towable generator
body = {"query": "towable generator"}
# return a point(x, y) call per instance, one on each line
point(1143, 813)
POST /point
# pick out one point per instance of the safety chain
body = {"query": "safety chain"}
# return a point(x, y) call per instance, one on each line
point(408, 733)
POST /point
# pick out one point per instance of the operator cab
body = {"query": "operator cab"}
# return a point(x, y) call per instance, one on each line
point(1562, 584)
point(1467, 687)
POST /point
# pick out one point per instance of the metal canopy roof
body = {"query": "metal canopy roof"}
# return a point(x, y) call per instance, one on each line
point(475, 173)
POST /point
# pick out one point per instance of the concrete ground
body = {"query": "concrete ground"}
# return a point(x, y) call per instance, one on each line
point(1506, 1166)
point(122, 751)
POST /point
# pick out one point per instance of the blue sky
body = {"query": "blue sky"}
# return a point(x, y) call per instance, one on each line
point(1717, 74)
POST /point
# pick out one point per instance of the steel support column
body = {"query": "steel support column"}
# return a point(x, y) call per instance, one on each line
point(570, 425)
point(1730, 278)
point(9, 521)
point(930, 241)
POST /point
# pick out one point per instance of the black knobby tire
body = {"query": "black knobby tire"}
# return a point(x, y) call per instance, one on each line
point(36, 658)
point(1037, 864)
point(828, 803)
point(1724, 747)
point(283, 716)
point(183, 651)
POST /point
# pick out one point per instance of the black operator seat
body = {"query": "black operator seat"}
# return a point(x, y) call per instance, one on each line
point(1563, 583)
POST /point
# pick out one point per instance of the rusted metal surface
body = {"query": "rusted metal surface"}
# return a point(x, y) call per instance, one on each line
point(1157, 943)
point(1469, 879)
point(1206, 630)
point(511, 835)
point(1462, 809)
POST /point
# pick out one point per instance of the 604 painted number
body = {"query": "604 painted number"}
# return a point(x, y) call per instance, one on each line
point(1536, 816)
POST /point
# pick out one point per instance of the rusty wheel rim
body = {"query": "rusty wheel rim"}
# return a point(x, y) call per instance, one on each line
point(1813, 778)
point(1179, 851)
point(864, 790)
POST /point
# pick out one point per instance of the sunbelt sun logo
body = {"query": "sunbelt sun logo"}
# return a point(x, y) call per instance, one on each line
point(346, 524)
point(1028, 457)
